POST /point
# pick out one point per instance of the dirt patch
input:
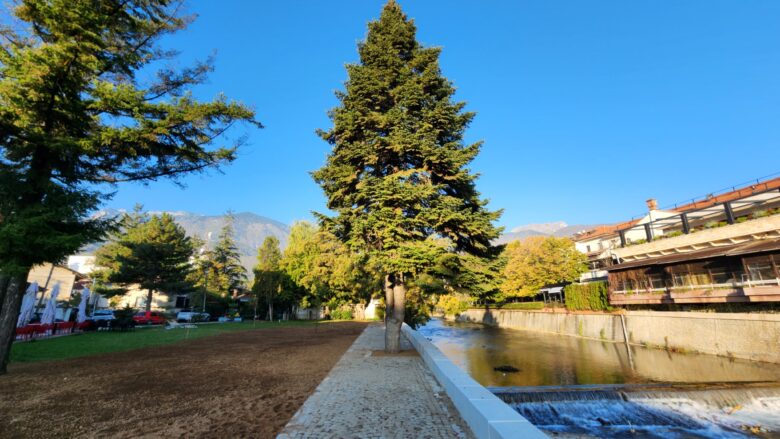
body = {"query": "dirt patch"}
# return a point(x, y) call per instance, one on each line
point(243, 384)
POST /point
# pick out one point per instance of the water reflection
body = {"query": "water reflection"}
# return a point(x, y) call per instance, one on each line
point(546, 359)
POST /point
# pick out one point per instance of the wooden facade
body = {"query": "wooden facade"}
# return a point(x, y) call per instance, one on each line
point(740, 273)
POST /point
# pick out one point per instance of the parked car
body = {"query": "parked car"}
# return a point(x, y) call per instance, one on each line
point(192, 316)
point(102, 314)
point(149, 318)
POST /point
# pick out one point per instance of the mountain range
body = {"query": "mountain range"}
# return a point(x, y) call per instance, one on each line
point(251, 229)
point(558, 228)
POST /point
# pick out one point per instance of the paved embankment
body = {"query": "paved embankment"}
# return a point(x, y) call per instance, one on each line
point(739, 335)
point(372, 395)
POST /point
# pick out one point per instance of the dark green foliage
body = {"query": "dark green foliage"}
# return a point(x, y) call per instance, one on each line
point(272, 285)
point(152, 252)
point(224, 262)
point(73, 115)
point(75, 119)
point(592, 296)
point(397, 177)
point(343, 312)
point(123, 318)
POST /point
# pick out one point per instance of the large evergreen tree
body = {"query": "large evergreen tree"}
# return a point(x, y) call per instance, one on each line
point(155, 254)
point(227, 273)
point(74, 117)
point(397, 176)
point(269, 278)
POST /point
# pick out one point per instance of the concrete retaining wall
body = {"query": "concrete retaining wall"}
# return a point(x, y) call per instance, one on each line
point(749, 336)
point(484, 412)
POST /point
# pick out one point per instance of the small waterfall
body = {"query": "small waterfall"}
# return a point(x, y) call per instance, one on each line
point(719, 411)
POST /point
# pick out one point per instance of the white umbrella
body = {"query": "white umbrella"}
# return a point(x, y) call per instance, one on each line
point(47, 317)
point(28, 303)
point(83, 306)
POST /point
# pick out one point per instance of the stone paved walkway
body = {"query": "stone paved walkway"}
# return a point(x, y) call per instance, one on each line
point(376, 396)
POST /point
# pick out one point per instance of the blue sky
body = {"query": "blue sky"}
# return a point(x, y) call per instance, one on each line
point(586, 108)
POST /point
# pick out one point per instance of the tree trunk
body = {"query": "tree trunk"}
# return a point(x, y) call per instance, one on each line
point(270, 311)
point(149, 297)
point(13, 289)
point(396, 319)
point(388, 296)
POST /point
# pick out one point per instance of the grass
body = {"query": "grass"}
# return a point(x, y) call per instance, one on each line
point(523, 305)
point(94, 343)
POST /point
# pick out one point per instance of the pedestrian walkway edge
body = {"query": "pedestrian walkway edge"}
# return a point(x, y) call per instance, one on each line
point(487, 416)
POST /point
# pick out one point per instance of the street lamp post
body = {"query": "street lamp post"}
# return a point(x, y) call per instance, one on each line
point(205, 261)
point(205, 285)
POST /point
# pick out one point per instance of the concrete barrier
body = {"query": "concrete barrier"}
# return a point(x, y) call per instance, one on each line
point(737, 335)
point(484, 412)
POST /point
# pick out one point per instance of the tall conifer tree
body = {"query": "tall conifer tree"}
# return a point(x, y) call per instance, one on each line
point(397, 175)
point(269, 278)
point(155, 254)
point(225, 261)
point(75, 116)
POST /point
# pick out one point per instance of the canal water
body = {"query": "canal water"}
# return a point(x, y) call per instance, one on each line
point(579, 387)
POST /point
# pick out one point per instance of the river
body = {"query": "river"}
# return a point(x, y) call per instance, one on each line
point(575, 386)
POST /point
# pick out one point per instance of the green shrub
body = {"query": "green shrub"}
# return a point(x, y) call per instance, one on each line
point(451, 305)
point(591, 296)
point(523, 305)
point(343, 312)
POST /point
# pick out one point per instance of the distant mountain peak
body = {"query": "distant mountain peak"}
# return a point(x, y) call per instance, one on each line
point(545, 228)
point(557, 228)
point(250, 230)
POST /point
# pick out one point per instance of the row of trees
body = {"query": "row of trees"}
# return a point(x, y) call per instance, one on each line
point(155, 253)
point(315, 269)
point(75, 120)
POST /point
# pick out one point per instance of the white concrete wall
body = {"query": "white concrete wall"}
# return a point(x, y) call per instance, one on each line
point(739, 335)
point(487, 416)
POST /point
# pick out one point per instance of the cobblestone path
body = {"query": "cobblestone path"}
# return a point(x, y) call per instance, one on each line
point(370, 395)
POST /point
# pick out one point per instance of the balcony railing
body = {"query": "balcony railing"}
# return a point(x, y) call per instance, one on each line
point(746, 281)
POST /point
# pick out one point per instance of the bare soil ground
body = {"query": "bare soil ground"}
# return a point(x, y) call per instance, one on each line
point(242, 384)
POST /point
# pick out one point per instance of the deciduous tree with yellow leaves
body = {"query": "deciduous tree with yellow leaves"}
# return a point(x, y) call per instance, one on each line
point(538, 261)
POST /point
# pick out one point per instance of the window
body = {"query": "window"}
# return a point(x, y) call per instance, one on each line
point(680, 279)
point(588, 248)
point(720, 276)
point(760, 270)
point(655, 281)
point(182, 302)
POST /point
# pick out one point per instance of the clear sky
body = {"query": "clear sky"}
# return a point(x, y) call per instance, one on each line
point(586, 108)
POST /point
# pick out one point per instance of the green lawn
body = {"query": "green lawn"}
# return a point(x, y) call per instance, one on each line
point(94, 343)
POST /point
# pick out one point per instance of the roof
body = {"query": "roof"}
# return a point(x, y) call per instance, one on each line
point(605, 230)
point(734, 194)
point(752, 247)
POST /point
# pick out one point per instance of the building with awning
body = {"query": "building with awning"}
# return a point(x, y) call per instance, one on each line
point(719, 248)
point(742, 272)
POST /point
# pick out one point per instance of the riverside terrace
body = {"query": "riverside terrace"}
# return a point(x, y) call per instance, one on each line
point(746, 272)
point(721, 248)
point(726, 251)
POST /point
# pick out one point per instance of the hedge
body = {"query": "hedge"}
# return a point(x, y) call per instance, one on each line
point(587, 297)
point(523, 305)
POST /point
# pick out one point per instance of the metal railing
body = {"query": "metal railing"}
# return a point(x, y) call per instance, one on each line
point(746, 281)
